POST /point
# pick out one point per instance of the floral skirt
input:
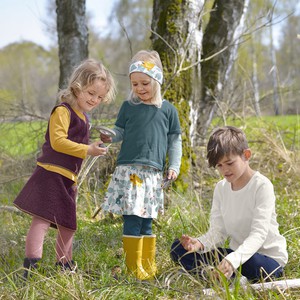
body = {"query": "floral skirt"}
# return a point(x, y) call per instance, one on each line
point(135, 190)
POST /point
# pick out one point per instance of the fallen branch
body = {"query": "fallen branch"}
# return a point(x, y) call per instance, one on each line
point(274, 285)
point(280, 285)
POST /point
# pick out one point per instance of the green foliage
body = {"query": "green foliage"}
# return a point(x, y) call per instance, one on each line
point(7, 96)
point(29, 74)
point(21, 138)
point(283, 130)
point(255, 58)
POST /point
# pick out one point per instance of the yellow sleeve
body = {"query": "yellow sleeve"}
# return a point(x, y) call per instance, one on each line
point(58, 132)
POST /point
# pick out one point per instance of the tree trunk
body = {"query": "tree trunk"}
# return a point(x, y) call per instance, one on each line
point(72, 36)
point(219, 36)
point(274, 74)
point(255, 83)
point(177, 38)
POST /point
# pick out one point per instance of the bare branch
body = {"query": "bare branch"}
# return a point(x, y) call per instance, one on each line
point(127, 36)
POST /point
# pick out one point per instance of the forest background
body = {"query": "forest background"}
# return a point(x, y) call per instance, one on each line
point(258, 91)
point(29, 72)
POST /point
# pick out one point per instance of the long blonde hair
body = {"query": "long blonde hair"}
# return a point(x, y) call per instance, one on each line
point(149, 56)
point(83, 76)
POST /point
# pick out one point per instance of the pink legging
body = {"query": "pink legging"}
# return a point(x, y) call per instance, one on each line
point(35, 240)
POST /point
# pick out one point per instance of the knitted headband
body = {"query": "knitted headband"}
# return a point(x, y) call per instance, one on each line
point(148, 68)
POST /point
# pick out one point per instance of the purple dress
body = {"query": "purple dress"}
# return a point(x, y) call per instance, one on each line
point(47, 194)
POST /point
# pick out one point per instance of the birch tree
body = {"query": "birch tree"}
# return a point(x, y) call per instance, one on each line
point(274, 74)
point(289, 65)
point(255, 83)
point(220, 37)
point(177, 35)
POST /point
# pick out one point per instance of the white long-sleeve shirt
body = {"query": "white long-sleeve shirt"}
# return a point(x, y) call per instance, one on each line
point(248, 218)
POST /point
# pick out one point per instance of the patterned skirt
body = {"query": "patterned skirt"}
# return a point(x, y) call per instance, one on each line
point(135, 190)
point(50, 196)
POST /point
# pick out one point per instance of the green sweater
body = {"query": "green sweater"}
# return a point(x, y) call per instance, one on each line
point(146, 131)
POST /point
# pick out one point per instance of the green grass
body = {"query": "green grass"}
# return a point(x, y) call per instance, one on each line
point(286, 128)
point(21, 138)
point(275, 145)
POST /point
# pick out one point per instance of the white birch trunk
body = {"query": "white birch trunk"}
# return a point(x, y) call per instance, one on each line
point(274, 74)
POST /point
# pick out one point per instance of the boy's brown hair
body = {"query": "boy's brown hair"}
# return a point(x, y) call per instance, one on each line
point(225, 141)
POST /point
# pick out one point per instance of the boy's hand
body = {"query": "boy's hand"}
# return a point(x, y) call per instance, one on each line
point(95, 149)
point(190, 244)
point(226, 268)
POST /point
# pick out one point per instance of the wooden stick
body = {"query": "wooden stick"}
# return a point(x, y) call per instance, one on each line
point(280, 284)
point(273, 285)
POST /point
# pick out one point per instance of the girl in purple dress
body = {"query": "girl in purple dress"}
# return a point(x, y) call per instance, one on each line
point(49, 196)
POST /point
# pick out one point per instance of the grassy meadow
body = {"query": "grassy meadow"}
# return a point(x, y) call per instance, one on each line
point(275, 144)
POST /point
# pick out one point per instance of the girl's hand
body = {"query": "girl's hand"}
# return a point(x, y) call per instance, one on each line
point(172, 175)
point(95, 149)
point(190, 244)
point(226, 268)
point(105, 138)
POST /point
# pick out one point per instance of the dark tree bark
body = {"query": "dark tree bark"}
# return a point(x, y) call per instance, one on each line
point(219, 34)
point(72, 36)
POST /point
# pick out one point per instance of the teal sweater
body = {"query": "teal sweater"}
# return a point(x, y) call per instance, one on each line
point(148, 134)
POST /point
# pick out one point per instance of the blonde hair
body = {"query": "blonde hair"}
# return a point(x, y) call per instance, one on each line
point(149, 56)
point(83, 76)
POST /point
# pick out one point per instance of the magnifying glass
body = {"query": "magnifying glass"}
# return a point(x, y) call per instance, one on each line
point(106, 131)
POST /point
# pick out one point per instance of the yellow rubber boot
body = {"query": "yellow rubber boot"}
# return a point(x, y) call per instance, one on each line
point(148, 256)
point(133, 246)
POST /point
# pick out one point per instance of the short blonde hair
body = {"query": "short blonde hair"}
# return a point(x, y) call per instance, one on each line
point(149, 56)
point(83, 76)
